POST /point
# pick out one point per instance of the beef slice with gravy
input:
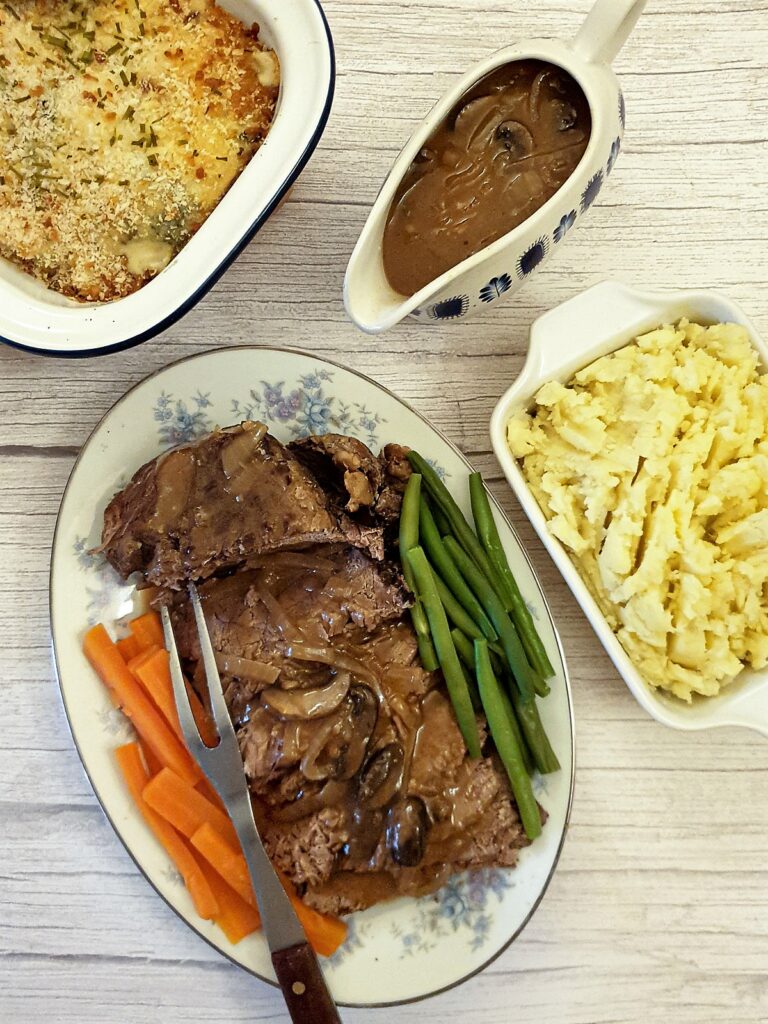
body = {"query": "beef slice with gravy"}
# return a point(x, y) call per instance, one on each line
point(213, 505)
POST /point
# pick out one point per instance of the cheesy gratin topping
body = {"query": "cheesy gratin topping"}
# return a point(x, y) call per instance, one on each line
point(122, 124)
point(651, 466)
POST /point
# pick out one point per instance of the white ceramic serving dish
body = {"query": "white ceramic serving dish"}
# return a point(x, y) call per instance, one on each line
point(397, 952)
point(562, 342)
point(501, 268)
point(36, 318)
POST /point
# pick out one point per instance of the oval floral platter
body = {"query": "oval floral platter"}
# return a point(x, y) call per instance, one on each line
point(396, 952)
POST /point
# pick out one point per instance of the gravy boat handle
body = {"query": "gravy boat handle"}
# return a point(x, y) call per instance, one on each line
point(606, 29)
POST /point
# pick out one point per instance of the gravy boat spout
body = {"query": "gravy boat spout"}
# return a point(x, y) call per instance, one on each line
point(502, 267)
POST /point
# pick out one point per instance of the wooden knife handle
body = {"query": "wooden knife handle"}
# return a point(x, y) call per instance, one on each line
point(303, 985)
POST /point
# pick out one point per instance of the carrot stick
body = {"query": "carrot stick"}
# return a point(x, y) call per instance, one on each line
point(128, 647)
point(184, 807)
point(153, 765)
point(154, 673)
point(236, 918)
point(204, 787)
point(203, 719)
point(325, 933)
point(106, 660)
point(195, 878)
point(141, 657)
point(147, 630)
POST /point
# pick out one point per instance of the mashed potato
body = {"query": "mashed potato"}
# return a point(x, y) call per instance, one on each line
point(651, 466)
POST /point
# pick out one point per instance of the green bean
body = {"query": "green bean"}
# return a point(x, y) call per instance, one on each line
point(527, 713)
point(455, 679)
point(467, 626)
point(500, 718)
point(441, 521)
point(491, 602)
point(460, 528)
point(409, 538)
point(464, 648)
point(497, 653)
point(444, 566)
point(466, 651)
point(489, 537)
point(474, 693)
point(458, 616)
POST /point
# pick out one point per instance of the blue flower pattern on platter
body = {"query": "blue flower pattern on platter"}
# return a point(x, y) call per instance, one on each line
point(614, 155)
point(532, 257)
point(592, 191)
point(464, 903)
point(566, 223)
point(450, 309)
point(495, 287)
point(440, 470)
point(308, 409)
point(114, 723)
point(179, 422)
point(105, 583)
point(87, 557)
point(622, 111)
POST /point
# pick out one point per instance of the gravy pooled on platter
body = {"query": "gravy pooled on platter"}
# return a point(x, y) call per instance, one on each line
point(506, 147)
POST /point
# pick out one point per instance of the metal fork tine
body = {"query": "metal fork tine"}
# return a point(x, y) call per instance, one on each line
point(218, 704)
point(187, 721)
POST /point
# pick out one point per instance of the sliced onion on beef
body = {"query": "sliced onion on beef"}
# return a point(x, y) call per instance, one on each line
point(246, 668)
point(277, 614)
point(240, 453)
point(339, 746)
point(336, 659)
point(296, 560)
point(365, 831)
point(332, 794)
point(304, 704)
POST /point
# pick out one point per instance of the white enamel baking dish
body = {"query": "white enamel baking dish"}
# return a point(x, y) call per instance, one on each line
point(563, 341)
point(35, 318)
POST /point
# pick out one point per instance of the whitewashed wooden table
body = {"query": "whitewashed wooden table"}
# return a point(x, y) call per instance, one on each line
point(659, 910)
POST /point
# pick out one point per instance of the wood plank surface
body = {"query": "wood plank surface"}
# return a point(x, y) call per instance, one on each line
point(659, 910)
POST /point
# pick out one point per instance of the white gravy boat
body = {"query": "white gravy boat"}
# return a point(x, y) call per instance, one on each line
point(501, 268)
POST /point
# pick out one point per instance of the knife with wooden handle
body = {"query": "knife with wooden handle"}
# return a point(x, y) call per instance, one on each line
point(296, 965)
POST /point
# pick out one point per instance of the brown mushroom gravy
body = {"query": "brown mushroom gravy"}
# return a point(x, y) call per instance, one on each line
point(355, 760)
point(506, 148)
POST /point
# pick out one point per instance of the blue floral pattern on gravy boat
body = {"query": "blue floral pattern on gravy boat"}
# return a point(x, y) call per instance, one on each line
point(566, 223)
point(533, 257)
point(495, 287)
point(450, 309)
point(592, 191)
point(614, 155)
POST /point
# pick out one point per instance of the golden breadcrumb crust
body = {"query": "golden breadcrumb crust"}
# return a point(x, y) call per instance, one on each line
point(122, 124)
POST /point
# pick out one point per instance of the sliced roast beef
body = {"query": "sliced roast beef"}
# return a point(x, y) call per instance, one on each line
point(334, 593)
point(396, 470)
point(216, 504)
point(362, 785)
point(346, 466)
